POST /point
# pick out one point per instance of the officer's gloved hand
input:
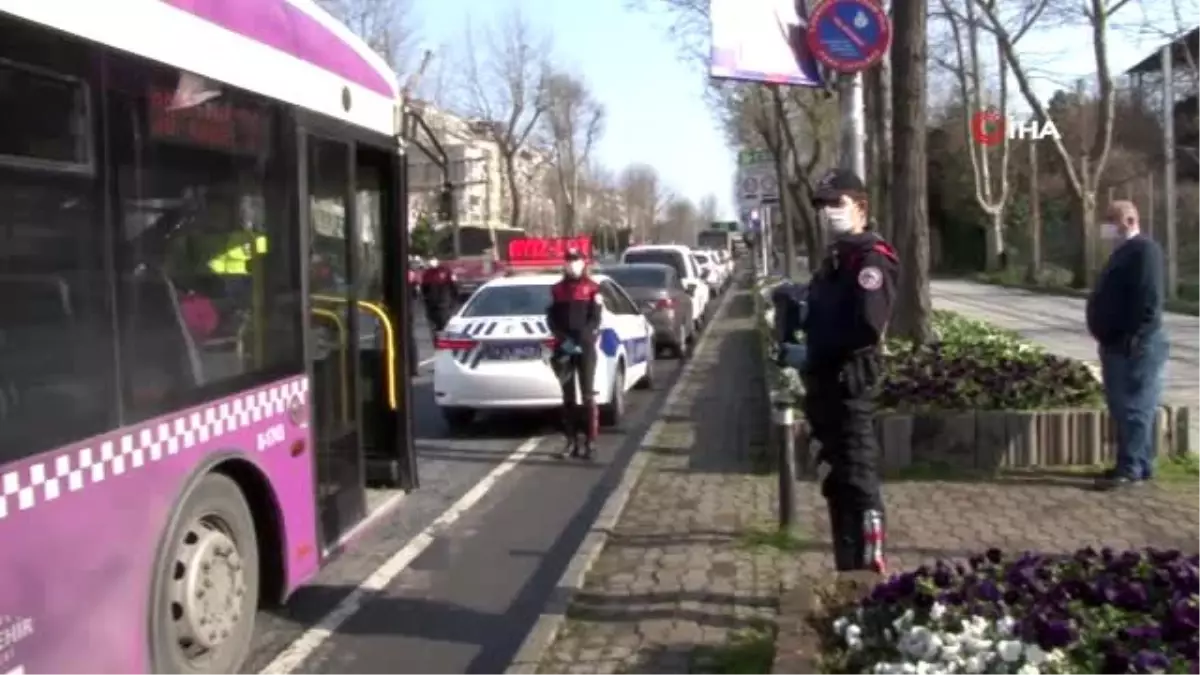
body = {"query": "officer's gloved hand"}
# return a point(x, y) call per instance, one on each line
point(860, 374)
point(570, 347)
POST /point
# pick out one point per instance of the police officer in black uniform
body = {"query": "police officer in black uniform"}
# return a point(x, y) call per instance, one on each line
point(849, 303)
point(574, 320)
point(439, 289)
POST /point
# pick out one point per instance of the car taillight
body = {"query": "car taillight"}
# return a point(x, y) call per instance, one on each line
point(552, 343)
point(453, 343)
point(665, 303)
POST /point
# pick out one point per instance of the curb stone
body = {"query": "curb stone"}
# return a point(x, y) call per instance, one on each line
point(545, 630)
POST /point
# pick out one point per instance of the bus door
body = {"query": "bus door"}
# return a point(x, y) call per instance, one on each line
point(384, 306)
point(335, 331)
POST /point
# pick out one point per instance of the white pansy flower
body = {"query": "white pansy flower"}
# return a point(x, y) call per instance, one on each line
point(937, 611)
point(1010, 650)
point(951, 651)
point(975, 664)
point(1028, 669)
point(1035, 655)
point(1006, 625)
point(853, 632)
point(839, 626)
point(854, 643)
point(977, 645)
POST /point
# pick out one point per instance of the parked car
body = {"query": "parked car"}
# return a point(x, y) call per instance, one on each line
point(660, 294)
point(710, 270)
point(679, 258)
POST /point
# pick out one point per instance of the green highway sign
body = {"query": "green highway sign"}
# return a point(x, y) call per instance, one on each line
point(750, 157)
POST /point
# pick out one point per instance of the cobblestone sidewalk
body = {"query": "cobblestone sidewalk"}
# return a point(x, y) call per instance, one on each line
point(679, 570)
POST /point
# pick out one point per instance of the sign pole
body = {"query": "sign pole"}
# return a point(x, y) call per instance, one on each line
point(853, 136)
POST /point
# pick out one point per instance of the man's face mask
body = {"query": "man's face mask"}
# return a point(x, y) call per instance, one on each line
point(575, 268)
point(1111, 231)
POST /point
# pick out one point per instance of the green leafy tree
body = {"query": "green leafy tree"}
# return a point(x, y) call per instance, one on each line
point(421, 239)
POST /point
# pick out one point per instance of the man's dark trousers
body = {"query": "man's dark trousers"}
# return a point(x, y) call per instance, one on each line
point(1133, 386)
point(842, 421)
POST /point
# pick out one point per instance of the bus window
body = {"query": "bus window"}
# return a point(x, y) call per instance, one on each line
point(57, 374)
point(210, 298)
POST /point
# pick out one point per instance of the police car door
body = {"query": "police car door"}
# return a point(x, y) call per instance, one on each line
point(633, 331)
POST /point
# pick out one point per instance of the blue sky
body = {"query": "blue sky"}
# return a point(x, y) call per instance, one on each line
point(656, 113)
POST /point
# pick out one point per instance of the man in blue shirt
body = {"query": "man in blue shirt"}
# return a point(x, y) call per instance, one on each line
point(1124, 315)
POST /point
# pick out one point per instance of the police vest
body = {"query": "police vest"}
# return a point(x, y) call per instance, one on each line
point(235, 260)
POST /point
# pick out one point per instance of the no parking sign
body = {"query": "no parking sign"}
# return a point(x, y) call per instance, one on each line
point(849, 36)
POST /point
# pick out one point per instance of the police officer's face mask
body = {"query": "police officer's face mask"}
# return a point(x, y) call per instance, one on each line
point(575, 268)
point(837, 219)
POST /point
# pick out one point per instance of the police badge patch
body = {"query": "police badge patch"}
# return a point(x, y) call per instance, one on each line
point(870, 278)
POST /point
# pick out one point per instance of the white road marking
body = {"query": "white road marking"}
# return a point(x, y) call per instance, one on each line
point(426, 362)
point(304, 646)
point(373, 517)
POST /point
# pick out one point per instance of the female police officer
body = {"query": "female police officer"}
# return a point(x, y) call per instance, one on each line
point(849, 302)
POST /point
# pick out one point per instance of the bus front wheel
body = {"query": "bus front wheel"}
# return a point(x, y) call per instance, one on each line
point(206, 583)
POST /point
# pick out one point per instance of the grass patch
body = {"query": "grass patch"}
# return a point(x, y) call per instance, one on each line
point(749, 650)
point(1179, 469)
point(764, 537)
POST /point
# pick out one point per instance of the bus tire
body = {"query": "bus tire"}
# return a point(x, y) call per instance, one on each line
point(206, 583)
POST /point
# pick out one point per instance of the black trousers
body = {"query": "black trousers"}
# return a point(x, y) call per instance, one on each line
point(578, 416)
point(840, 411)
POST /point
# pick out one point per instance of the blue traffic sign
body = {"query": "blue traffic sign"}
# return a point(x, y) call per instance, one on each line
point(849, 36)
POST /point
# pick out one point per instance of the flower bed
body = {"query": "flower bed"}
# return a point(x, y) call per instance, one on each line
point(982, 398)
point(1093, 612)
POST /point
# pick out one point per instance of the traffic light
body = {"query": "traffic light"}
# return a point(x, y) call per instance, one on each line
point(446, 203)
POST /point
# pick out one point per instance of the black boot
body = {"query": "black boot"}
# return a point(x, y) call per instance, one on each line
point(845, 532)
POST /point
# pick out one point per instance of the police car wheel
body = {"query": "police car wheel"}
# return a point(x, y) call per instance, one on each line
point(613, 412)
point(458, 418)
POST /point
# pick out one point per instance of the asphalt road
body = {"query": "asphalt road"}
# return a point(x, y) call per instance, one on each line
point(467, 601)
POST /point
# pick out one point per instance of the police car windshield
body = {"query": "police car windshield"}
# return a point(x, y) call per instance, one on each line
point(509, 301)
point(638, 276)
point(669, 258)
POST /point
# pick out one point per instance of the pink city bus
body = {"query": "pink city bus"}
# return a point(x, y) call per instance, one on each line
point(202, 360)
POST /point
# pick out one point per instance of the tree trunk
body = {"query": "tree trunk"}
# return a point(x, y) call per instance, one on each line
point(514, 194)
point(995, 239)
point(1034, 271)
point(909, 180)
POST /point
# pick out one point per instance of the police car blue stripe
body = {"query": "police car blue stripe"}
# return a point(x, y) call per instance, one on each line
point(491, 327)
point(542, 327)
point(527, 327)
point(466, 328)
point(478, 357)
point(465, 356)
point(479, 328)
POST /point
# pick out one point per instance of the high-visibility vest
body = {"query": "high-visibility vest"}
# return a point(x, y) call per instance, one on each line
point(235, 260)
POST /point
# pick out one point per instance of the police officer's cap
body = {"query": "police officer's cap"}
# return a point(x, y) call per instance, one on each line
point(573, 254)
point(834, 184)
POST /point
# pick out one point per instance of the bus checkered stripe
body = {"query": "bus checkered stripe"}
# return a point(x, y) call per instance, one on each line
point(111, 458)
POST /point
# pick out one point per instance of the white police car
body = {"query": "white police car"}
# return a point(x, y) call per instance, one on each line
point(495, 352)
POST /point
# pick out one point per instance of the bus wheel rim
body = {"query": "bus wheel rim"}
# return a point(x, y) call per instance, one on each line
point(208, 587)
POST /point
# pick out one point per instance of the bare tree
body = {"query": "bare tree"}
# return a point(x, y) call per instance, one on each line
point(505, 88)
point(643, 197)
point(709, 210)
point(574, 120)
point(992, 186)
point(910, 209)
point(385, 25)
point(680, 221)
point(1085, 172)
